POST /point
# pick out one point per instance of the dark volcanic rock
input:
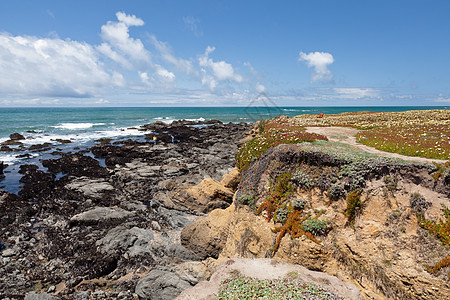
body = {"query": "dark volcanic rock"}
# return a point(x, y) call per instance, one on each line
point(36, 182)
point(75, 165)
point(113, 222)
point(16, 137)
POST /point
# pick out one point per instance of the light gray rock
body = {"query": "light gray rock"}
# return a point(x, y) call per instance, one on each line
point(98, 214)
point(90, 187)
point(8, 253)
point(41, 296)
point(134, 241)
point(82, 295)
point(160, 285)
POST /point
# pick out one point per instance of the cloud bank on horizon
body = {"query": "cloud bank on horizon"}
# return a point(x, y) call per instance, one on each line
point(52, 71)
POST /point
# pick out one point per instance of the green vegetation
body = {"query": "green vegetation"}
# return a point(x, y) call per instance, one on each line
point(316, 227)
point(353, 205)
point(418, 202)
point(442, 170)
point(336, 192)
point(279, 192)
point(272, 133)
point(247, 200)
point(441, 230)
point(241, 287)
point(413, 133)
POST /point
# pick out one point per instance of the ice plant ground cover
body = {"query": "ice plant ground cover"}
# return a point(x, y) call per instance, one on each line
point(241, 287)
point(273, 133)
point(424, 133)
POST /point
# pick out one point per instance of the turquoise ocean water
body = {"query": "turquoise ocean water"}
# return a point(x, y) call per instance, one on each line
point(84, 125)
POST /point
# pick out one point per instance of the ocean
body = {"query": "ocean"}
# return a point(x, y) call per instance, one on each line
point(82, 126)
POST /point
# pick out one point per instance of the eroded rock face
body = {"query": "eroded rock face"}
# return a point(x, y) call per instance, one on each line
point(206, 196)
point(382, 253)
point(207, 236)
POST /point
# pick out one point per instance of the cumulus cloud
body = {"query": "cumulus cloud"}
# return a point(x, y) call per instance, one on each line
point(119, 46)
point(319, 61)
point(214, 71)
point(167, 55)
point(131, 53)
point(50, 67)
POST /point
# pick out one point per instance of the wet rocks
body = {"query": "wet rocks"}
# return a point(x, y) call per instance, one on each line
point(16, 137)
point(76, 165)
point(81, 227)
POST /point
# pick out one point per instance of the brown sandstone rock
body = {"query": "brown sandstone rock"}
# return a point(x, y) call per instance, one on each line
point(207, 236)
point(206, 196)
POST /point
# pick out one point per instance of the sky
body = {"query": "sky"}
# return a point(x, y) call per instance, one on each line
point(224, 53)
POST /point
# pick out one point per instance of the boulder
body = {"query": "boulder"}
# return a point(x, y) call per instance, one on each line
point(100, 214)
point(207, 236)
point(134, 241)
point(206, 196)
point(231, 180)
point(160, 285)
point(16, 137)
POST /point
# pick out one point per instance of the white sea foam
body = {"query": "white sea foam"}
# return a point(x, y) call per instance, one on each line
point(76, 126)
point(10, 159)
point(196, 120)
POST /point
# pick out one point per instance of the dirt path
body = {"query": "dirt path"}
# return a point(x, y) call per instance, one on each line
point(347, 135)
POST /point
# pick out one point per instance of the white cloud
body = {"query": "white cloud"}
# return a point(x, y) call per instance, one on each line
point(165, 75)
point(144, 77)
point(260, 88)
point(193, 24)
point(220, 70)
point(119, 45)
point(102, 101)
point(167, 55)
point(356, 93)
point(442, 99)
point(319, 61)
point(50, 67)
point(129, 20)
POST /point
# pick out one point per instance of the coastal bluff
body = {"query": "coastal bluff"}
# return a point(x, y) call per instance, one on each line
point(174, 219)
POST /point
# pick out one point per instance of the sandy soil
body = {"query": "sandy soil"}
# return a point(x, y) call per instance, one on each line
point(347, 135)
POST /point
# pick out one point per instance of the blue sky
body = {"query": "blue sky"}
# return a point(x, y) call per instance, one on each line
point(224, 53)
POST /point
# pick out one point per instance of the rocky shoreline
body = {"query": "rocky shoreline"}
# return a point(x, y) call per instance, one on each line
point(84, 230)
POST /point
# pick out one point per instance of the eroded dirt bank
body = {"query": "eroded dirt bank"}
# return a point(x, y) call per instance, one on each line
point(376, 244)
